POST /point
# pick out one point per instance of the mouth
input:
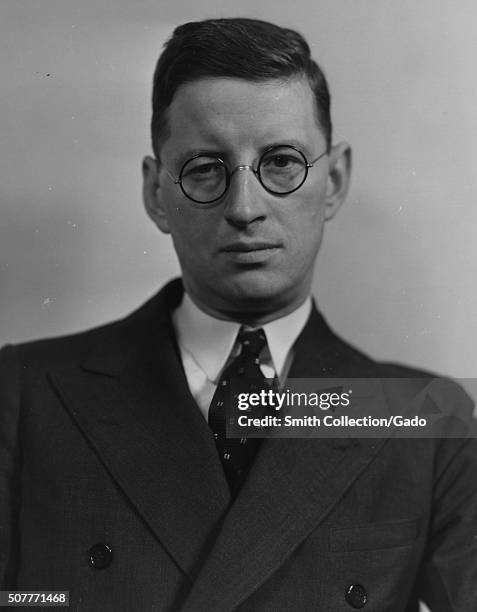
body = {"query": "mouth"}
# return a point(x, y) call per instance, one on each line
point(246, 247)
point(250, 252)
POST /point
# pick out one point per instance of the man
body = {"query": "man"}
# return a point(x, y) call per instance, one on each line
point(118, 481)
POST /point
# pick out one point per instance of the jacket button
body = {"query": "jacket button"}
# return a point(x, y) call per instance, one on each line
point(100, 556)
point(356, 596)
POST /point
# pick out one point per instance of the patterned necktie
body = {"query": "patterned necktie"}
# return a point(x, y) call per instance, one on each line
point(236, 454)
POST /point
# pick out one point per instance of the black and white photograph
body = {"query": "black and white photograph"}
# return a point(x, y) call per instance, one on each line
point(237, 309)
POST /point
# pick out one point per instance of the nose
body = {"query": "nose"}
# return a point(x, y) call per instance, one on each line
point(244, 200)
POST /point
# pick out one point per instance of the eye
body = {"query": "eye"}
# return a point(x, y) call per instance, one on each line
point(202, 168)
point(282, 162)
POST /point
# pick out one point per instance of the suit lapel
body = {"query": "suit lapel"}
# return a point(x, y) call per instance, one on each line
point(131, 401)
point(292, 487)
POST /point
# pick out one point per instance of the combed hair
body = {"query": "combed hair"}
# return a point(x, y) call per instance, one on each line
point(248, 49)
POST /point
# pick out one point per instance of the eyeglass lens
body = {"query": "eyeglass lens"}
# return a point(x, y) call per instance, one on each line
point(280, 170)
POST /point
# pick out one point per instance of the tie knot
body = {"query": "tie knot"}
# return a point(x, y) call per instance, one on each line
point(252, 341)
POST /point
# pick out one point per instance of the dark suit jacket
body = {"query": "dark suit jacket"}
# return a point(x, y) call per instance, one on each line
point(101, 443)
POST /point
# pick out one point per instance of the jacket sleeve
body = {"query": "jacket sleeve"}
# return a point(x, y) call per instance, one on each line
point(449, 576)
point(10, 470)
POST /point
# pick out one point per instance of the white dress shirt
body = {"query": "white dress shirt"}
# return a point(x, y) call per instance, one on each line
point(207, 346)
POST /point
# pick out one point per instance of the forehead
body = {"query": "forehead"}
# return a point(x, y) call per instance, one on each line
point(237, 114)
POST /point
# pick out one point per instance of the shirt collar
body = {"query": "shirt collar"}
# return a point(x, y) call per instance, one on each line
point(210, 340)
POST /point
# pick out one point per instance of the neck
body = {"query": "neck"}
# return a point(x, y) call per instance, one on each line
point(253, 317)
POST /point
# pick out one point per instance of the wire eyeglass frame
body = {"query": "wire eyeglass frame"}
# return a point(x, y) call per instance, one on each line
point(256, 172)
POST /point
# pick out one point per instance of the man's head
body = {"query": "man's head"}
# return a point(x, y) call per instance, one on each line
point(237, 48)
point(245, 174)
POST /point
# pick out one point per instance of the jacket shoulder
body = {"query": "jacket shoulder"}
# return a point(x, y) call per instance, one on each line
point(74, 348)
point(65, 349)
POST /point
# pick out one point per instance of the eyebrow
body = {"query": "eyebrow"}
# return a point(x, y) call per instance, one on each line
point(301, 146)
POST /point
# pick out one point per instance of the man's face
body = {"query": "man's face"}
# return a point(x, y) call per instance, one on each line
point(251, 255)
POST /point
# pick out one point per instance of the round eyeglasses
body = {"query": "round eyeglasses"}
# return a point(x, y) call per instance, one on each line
point(281, 170)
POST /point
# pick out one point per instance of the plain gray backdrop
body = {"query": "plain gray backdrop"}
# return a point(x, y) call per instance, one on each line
point(396, 273)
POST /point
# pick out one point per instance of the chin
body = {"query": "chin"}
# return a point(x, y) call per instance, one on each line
point(259, 293)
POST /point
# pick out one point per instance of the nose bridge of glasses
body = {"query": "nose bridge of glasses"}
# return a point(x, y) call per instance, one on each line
point(243, 167)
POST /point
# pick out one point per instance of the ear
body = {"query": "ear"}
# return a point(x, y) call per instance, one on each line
point(151, 193)
point(339, 174)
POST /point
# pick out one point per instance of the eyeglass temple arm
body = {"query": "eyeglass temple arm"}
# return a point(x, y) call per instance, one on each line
point(177, 181)
point(313, 161)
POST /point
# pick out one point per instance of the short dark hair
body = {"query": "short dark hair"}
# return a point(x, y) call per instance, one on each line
point(248, 49)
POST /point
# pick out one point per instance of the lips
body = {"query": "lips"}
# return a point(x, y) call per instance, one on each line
point(251, 252)
point(247, 247)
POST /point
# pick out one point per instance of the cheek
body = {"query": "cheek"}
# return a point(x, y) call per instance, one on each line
point(306, 219)
point(192, 231)
point(305, 233)
point(310, 200)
